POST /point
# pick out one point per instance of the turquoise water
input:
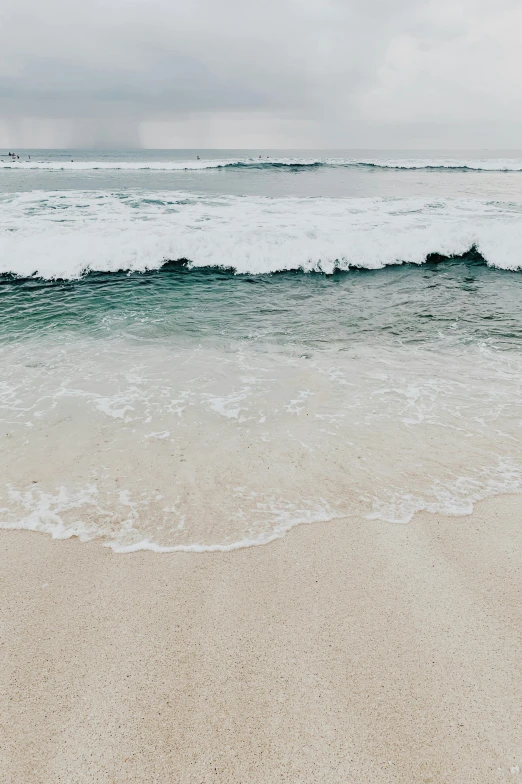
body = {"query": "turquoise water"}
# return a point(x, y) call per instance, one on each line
point(202, 353)
point(442, 302)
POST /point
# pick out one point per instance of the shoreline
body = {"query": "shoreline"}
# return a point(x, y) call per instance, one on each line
point(350, 650)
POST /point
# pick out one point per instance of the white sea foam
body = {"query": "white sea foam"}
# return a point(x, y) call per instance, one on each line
point(65, 234)
point(186, 165)
point(64, 514)
point(453, 498)
point(283, 521)
point(189, 447)
point(471, 164)
point(429, 163)
point(220, 449)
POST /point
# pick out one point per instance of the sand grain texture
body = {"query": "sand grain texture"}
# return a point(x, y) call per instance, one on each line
point(351, 651)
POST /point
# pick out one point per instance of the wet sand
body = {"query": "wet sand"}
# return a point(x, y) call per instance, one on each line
point(351, 651)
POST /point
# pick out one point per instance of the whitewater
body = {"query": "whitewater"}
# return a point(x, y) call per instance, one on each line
point(204, 349)
point(66, 234)
point(268, 162)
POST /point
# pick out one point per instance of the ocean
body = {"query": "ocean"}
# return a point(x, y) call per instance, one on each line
point(203, 349)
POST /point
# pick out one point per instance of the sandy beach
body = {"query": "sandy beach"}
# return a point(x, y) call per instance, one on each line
point(350, 651)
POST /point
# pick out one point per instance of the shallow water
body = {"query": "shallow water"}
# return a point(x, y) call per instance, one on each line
point(314, 356)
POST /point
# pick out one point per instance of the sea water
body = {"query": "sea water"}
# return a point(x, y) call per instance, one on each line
point(199, 353)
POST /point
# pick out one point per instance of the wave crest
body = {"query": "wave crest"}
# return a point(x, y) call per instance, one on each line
point(66, 234)
point(284, 164)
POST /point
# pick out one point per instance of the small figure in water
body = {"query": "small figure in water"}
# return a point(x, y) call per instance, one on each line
point(197, 157)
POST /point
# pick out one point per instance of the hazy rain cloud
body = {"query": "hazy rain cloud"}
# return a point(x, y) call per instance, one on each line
point(303, 73)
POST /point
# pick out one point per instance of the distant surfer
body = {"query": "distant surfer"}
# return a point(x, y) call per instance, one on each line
point(197, 157)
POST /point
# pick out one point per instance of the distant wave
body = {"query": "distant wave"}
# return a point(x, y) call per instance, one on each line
point(66, 234)
point(188, 165)
point(404, 164)
point(493, 165)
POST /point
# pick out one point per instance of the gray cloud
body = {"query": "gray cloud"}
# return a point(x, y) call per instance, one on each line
point(285, 72)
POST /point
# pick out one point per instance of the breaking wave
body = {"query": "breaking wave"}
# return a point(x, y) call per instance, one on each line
point(428, 164)
point(66, 234)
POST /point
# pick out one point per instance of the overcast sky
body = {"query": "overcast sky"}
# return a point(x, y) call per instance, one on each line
point(277, 73)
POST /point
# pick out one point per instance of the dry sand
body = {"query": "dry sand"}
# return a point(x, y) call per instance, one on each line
point(351, 651)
